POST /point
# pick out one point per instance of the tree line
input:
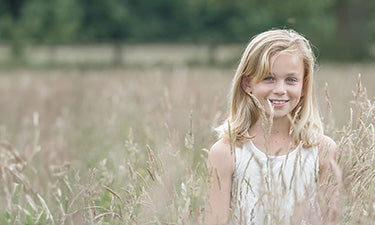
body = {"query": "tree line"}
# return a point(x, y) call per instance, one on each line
point(341, 29)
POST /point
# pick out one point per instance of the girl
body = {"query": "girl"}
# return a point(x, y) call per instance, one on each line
point(272, 151)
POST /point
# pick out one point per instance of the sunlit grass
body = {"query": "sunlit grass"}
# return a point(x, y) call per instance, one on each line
point(127, 146)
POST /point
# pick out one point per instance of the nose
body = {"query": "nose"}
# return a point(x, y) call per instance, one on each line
point(279, 88)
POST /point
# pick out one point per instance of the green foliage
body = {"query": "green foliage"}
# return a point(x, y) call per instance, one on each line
point(103, 20)
point(52, 21)
point(342, 29)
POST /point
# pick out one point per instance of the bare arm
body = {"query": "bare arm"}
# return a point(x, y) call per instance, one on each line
point(221, 166)
point(329, 181)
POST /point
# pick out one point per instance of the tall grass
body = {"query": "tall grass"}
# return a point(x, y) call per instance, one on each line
point(128, 146)
point(356, 159)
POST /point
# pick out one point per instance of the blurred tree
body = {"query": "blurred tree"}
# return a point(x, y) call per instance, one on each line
point(11, 28)
point(342, 29)
point(352, 33)
point(209, 20)
point(38, 21)
point(15, 7)
point(52, 22)
point(252, 17)
point(160, 20)
point(312, 18)
point(105, 21)
point(371, 29)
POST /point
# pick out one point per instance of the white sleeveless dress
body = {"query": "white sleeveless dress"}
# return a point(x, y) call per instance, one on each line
point(265, 189)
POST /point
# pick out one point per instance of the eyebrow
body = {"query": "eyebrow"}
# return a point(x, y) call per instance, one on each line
point(288, 74)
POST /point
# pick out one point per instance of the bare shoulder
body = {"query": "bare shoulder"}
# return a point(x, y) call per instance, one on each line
point(221, 167)
point(327, 154)
point(328, 142)
point(327, 146)
point(220, 155)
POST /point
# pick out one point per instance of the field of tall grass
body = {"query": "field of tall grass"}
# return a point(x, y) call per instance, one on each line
point(128, 145)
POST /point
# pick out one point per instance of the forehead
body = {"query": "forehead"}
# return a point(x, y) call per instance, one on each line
point(286, 63)
point(281, 63)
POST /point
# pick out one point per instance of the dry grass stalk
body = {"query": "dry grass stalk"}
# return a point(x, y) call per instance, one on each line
point(73, 124)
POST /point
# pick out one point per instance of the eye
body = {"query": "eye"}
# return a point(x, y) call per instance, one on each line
point(291, 80)
point(269, 78)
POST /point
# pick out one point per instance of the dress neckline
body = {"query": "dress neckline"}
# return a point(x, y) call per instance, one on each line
point(263, 154)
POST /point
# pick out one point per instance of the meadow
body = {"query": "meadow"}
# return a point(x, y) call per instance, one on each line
point(128, 145)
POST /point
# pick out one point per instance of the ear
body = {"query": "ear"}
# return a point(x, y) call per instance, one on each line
point(245, 85)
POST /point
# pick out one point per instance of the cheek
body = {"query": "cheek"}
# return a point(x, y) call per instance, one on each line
point(298, 90)
point(259, 89)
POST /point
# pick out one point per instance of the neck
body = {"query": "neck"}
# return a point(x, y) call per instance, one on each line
point(274, 141)
point(280, 127)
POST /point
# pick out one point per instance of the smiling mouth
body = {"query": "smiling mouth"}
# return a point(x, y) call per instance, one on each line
point(278, 102)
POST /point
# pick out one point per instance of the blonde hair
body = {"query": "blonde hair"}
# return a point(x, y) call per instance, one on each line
point(244, 110)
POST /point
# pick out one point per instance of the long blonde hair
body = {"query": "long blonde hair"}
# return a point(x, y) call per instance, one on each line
point(255, 63)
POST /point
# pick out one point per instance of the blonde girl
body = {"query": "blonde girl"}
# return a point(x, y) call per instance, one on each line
point(272, 152)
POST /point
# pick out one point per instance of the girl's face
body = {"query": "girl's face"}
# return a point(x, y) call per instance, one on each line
point(282, 87)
